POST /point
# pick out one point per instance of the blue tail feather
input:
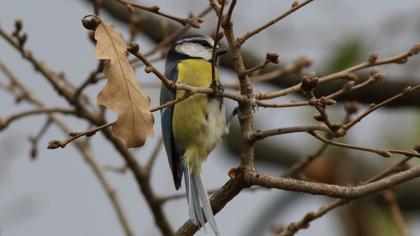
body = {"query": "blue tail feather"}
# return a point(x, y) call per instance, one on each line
point(199, 207)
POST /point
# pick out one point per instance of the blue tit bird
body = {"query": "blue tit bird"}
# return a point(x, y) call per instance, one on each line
point(192, 128)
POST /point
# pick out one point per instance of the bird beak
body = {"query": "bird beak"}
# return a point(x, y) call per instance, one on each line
point(221, 50)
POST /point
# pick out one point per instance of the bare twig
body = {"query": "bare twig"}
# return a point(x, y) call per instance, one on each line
point(248, 35)
point(291, 69)
point(8, 120)
point(170, 38)
point(261, 134)
point(229, 13)
point(153, 155)
point(91, 79)
point(75, 135)
point(407, 91)
point(217, 39)
point(192, 21)
point(392, 202)
point(96, 6)
point(35, 139)
point(269, 58)
point(346, 73)
point(299, 166)
point(381, 152)
point(334, 190)
point(292, 228)
point(61, 86)
point(112, 195)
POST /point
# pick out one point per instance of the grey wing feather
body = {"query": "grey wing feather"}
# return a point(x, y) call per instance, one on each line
point(174, 157)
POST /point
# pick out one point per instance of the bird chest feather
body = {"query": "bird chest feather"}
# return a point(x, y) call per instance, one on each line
point(199, 121)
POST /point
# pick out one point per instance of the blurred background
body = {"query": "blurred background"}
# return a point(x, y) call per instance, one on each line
point(57, 194)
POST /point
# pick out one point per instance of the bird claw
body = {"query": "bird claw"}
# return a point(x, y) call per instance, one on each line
point(218, 89)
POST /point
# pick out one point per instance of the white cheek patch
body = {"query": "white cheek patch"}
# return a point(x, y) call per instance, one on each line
point(194, 50)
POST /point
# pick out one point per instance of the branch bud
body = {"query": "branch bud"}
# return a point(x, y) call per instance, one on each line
point(318, 117)
point(373, 58)
point(347, 86)
point(309, 83)
point(272, 57)
point(148, 69)
point(351, 107)
point(407, 91)
point(54, 144)
point(133, 47)
point(18, 27)
point(90, 23)
point(335, 127)
point(155, 8)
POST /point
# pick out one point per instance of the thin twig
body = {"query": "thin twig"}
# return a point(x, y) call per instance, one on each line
point(299, 166)
point(170, 38)
point(229, 13)
point(381, 152)
point(217, 39)
point(291, 69)
point(392, 202)
point(346, 88)
point(292, 228)
point(4, 122)
point(91, 79)
point(407, 91)
point(53, 144)
point(399, 59)
point(261, 134)
point(248, 35)
point(153, 155)
point(96, 6)
point(35, 139)
point(192, 21)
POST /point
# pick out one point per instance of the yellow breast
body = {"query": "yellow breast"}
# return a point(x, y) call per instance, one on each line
point(195, 72)
point(190, 117)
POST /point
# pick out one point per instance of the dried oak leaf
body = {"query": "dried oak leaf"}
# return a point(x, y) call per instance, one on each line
point(122, 93)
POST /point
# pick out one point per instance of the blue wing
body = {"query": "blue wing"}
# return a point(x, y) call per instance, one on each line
point(174, 157)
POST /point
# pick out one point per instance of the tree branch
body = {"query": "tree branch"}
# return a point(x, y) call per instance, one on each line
point(372, 95)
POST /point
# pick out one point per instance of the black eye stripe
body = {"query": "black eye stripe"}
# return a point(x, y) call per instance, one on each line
point(202, 42)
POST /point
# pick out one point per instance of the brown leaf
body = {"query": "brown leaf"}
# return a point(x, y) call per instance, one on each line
point(122, 93)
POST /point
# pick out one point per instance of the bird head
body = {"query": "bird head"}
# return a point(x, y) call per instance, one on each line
point(196, 46)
